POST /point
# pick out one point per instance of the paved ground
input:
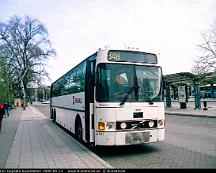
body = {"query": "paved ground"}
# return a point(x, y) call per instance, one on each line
point(8, 131)
point(30, 140)
point(191, 111)
point(35, 142)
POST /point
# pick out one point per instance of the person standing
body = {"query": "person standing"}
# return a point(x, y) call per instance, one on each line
point(2, 112)
point(6, 108)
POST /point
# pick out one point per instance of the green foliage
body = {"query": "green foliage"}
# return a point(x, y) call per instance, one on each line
point(5, 83)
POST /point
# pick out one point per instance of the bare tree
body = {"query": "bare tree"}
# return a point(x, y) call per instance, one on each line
point(207, 62)
point(205, 65)
point(25, 44)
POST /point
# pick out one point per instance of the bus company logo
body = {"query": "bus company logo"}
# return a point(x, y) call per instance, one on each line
point(77, 100)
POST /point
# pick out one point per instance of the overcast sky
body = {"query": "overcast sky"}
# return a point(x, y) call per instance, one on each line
point(77, 28)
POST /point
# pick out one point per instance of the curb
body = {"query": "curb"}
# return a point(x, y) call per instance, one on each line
point(104, 163)
point(191, 115)
point(100, 160)
point(96, 157)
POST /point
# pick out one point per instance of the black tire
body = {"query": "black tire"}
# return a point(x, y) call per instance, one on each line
point(78, 131)
point(51, 115)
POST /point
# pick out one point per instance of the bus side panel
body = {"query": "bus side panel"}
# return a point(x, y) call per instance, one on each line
point(66, 118)
point(72, 101)
point(67, 108)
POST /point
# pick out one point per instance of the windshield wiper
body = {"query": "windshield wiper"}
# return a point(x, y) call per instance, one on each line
point(128, 94)
point(149, 99)
point(126, 97)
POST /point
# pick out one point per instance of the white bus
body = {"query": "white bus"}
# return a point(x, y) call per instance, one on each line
point(89, 103)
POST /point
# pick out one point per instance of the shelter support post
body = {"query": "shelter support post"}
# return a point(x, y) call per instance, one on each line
point(168, 96)
point(197, 95)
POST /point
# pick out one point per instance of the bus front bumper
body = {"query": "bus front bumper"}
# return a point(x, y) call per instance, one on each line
point(110, 138)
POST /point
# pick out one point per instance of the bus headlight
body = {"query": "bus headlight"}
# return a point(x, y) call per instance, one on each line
point(123, 125)
point(109, 126)
point(106, 126)
point(160, 123)
point(151, 123)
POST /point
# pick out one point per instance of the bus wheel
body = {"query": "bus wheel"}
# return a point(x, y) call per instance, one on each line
point(78, 131)
point(54, 116)
point(51, 114)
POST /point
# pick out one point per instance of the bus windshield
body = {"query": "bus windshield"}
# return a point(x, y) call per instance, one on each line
point(131, 83)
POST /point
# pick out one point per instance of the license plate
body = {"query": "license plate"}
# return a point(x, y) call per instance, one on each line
point(137, 138)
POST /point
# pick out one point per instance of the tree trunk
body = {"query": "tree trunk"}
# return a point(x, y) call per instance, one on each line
point(24, 96)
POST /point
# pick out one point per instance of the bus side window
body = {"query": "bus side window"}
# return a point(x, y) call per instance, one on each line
point(93, 67)
point(92, 71)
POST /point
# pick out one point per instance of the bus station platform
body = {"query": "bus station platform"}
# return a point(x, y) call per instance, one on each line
point(190, 110)
point(28, 139)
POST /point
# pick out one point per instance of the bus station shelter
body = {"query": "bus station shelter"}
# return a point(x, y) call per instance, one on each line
point(183, 79)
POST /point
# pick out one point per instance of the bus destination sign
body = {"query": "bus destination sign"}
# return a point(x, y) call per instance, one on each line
point(132, 56)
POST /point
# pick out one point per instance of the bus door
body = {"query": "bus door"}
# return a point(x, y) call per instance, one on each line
point(89, 100)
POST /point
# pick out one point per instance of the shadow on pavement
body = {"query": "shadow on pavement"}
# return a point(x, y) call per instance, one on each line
point(110, 151)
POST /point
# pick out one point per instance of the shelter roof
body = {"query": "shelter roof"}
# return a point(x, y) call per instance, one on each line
point(179, 77)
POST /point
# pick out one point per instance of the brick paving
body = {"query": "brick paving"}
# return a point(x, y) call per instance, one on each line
point(38, 143)
point(30, 140)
